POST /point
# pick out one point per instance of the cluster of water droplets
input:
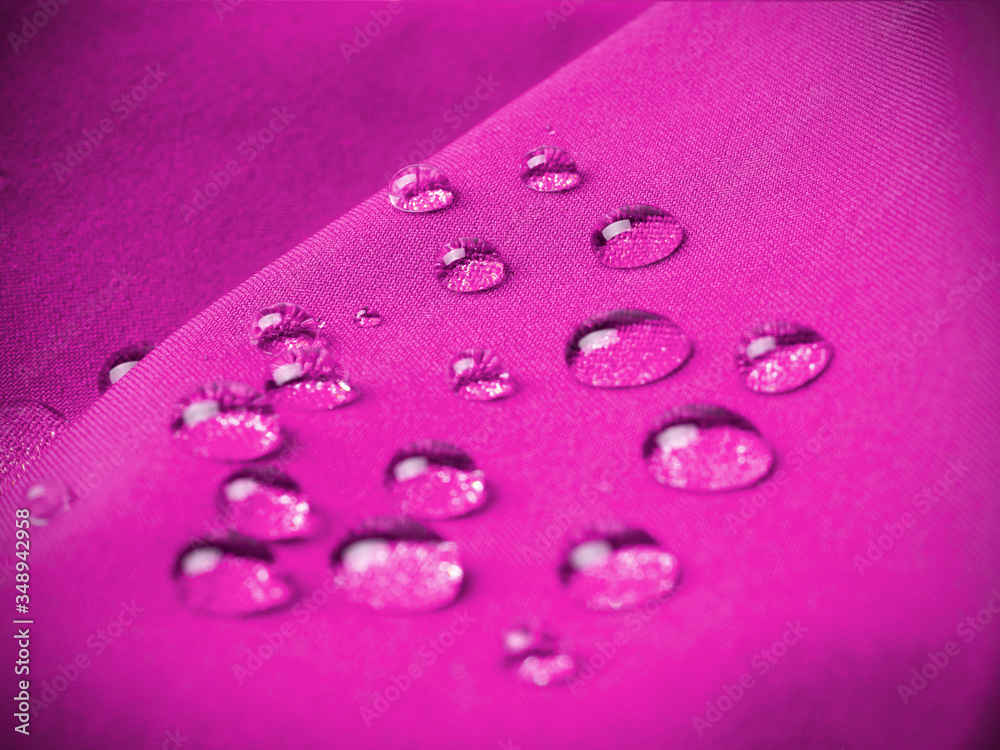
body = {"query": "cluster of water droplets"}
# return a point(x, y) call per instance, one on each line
point(395, 564)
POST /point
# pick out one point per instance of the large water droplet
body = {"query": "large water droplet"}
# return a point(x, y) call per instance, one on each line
point(536, 657)
point(282, 327)
point(636, 236)
point(119, 364)
point(308, 379)
point(231, 578)
point(469, 264)
point(227, 422)
point(478, 375)
point(420, 188)
point(47, 499)
point(549, 170)
point(434, 480)
point(625, 348)
point(367, 318)
point(706, 448)
point(265, 504)
point(780, 357)
point(614, 567)
point(398, 565)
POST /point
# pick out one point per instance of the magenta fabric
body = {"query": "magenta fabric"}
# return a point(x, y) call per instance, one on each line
point(129, 244)
point(831, 163)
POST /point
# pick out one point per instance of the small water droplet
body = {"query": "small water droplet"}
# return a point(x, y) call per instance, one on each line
point(613, 567)
point(536, 657)
point(434, 480)
point(780, 357)
point(47, 499)
point(469, 264)
point(227, 422)
point(420, 188)
point(550, 129)
point(119, 364)
point(394, 564)
point(706, 448)
point(635, 236)
point(549, 170)
point(367, 318)
point(625, 348)
point(282, 327)
point(478, 375)
point(308, 379)
point(263, 503)
point(230, 578)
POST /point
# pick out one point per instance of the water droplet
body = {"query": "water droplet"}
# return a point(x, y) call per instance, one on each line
point(780, 357)
point(636, 236)
point(614, 567)
point(706, 448)
point(550, 129)
point(119, 364)
point(434, 480)
point(549, 170)
point(265, 504)
point(420, 188)
point(478, 375)
point(625, 348)
point(307, 379)
point(536, 657)
point(230, 578)
point(367, 318)
point(282, 327)
point(469, 264)
point(394, 564)
point(47, 499)
point(227, 422)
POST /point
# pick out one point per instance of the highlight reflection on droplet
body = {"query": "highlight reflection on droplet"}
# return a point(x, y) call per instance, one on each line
point(435, 480)
point(397, 565)
point(536, 657)
point(227, 422)
point(706, 448)
point(282, 327)
point(625, 348)
point(549, 170)
point(120, 364)
point(308, 379)
point(478, 375)
point(265, 504)
point(420, 188)
point(613, 567)
point(635, 236)
point(779, 357)
point(231, 578)
point(469, 264)
point(367, 318)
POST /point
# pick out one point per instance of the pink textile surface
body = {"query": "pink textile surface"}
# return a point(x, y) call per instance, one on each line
point(833, 164)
